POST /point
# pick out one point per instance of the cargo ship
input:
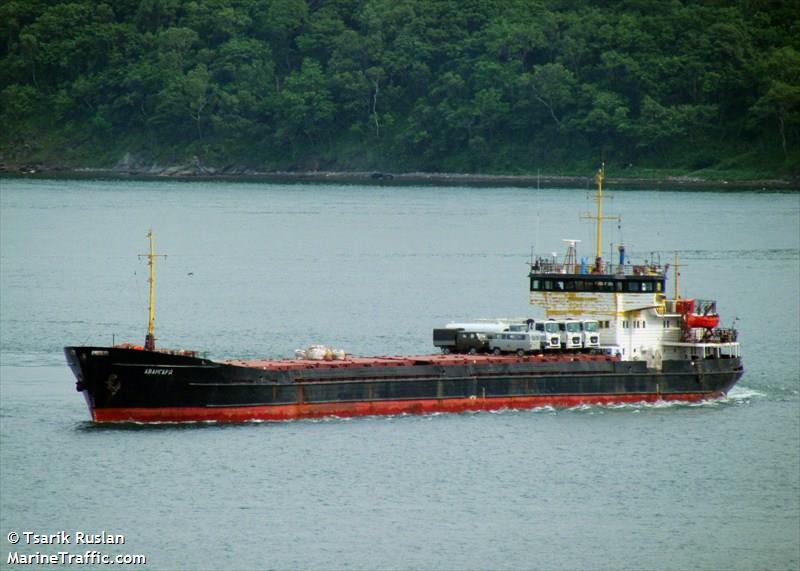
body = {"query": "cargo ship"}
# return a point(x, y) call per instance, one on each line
point(608, 335)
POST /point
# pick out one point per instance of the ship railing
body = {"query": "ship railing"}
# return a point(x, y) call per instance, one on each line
point(178, 352)
point(547, 266)
point(716, 335)
point(722, 335)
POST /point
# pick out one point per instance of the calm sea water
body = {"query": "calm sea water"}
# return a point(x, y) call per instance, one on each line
point(260, 270)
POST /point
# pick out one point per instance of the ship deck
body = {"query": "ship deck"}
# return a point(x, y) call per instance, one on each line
point(412, 360)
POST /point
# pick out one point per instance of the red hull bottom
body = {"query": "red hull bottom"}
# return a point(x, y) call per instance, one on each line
point(374, 408)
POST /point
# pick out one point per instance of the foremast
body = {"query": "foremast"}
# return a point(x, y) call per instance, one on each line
point(150, 340)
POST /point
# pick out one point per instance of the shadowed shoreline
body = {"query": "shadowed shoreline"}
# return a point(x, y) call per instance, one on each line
point(199, 172)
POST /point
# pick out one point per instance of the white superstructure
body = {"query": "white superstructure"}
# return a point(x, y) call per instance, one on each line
point(630, 305)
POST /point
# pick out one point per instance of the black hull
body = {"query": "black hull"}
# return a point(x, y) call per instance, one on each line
point(128, 385)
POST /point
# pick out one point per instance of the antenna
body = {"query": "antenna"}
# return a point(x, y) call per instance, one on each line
point(150, 340)
point(677, 267)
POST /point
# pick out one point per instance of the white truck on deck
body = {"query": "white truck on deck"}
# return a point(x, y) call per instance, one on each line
point(591, 334)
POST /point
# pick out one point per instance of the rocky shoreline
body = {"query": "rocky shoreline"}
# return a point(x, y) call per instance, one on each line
point(196, 170)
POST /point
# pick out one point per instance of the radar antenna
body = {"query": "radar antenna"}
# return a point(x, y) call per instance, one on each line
point(571, 259)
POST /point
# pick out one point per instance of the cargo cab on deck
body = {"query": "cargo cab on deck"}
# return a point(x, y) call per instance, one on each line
point(552, 334)
point(591, 334)
point(571, 334)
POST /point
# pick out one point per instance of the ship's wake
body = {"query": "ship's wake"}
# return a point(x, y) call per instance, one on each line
point(737, 396)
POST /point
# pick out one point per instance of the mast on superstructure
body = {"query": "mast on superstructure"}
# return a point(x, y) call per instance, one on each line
point(598, 201)
point(598, 218)
point(150, 340)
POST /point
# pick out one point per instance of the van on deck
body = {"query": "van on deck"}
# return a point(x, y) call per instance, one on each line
point(519, 342)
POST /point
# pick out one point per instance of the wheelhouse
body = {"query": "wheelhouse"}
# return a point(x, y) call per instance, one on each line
point(594, 283)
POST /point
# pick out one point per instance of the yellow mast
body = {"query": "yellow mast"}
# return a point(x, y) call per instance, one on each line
point(150, 340)
point(598, 218)
point(151, 304)
point(598, 200)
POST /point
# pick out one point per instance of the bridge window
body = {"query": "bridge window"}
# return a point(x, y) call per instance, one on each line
point(596, 285)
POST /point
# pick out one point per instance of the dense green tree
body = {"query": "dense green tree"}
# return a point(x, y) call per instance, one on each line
point(780, 101)
point(305, 107)
point(479, 85)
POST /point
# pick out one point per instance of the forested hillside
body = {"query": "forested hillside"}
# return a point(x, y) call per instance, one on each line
point(484, 86)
